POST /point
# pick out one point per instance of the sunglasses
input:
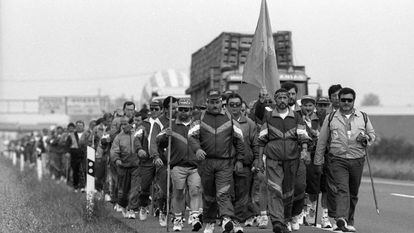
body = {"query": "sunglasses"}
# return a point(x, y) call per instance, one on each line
point(154, 109)
point(234, 104)
point(202, 108)
point(184, 109)
point(347, 100)
point(214, 101)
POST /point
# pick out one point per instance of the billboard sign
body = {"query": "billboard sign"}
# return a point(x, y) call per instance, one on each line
point(52, 105)
point(83, 105)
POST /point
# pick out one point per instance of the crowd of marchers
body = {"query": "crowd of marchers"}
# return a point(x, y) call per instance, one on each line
point(234, 164)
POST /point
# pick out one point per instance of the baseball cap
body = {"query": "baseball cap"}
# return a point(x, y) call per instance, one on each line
point(185, 103)
point(323, 100)
point(307, 98)
point(155, 103)
point(213, 94)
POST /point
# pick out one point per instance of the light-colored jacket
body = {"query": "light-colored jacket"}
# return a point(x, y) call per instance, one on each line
point(340, 145)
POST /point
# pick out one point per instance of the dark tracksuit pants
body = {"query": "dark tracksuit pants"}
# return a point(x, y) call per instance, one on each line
point(100, 173)
point(300, 186)
point(347, 174)
point(113, 182)
point(161, 176)
point(128, 181)
point(281, 176)
point(216, 179)
point(147, 173)
point(243, 205)
point(76, 158)
point(330, 186)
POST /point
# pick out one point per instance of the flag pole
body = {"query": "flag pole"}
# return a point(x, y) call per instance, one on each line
point(168, 166)
point(264, 49)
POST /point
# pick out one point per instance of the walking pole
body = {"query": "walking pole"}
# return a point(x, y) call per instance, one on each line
point(372, 181)
point(168, 166)
point(316, 210)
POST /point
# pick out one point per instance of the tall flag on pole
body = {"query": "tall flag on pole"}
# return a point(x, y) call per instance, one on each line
point(261, 66)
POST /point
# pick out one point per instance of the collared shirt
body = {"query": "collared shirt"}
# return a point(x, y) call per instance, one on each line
point(343, 144)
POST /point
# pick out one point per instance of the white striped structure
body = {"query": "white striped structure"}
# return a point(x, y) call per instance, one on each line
point(166, 82)
point(90, 181)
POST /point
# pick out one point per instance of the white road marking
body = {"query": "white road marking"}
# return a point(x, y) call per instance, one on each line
point(402, 195)
point(379, 181)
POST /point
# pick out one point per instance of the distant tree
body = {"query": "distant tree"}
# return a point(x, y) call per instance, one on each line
point(370, 99)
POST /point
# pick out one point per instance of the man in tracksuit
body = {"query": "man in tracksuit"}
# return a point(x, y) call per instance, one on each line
point(76, 154)
point(184, 173)
point(160, 157)
point(146, 163)
point(280, 137)
point(126, 160)
point(217, 140)
point(243, 180)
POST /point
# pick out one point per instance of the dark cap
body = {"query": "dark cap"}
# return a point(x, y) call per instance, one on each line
point(185, 103)
point(213, 94)
point(323, 100)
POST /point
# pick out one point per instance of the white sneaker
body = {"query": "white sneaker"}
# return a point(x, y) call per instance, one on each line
point(227, 225)
point(295, 222)
point(325, 223)
point(250, 221)
point(143, 213)
point(209, 228)
point(190, 219)
point(178, 224)
point(131, 214)
point(162, 219)
point(351, 228)
point(117, 208)
point(262, 221)
point(195, 223)
point(237, 227)
point(125, 213)
point(289, 226)
point(300, 218)
point(108, 198)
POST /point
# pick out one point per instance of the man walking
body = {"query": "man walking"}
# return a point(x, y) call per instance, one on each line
point(279, 139)
point(184, 173)
point(345, 133)
point(243, 180)
point(217, 140)
point(76, 154)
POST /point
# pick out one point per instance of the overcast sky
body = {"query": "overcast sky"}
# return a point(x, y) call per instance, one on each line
point(72, 47)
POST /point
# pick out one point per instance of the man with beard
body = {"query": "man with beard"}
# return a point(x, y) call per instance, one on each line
point(281, 134)
point(126, 160)
point(293, 92)
point(243, 205)
point(184, 171)
point(346, 133)
point(217, 140)
point(160, 156)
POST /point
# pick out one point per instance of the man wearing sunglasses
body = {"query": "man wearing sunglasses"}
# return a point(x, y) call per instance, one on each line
point(218, 141)
point(160, 156)
point(243, 179)
point(284, 140)
point(345, 133)
point(183, 166)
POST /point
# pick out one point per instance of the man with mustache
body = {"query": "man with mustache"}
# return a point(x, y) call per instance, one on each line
point(345, 133)
point(218, 141)
point(283, 139)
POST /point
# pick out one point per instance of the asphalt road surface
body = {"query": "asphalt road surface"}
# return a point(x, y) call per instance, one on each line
point(395, 199)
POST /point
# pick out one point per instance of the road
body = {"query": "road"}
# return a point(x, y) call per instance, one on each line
point(23, 203)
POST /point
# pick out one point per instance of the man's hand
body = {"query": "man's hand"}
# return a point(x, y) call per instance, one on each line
point(258, 165)
point(158, 162)
point(363, 139)
point(305, 156)
point(142, 154)
point(238, 167)
point(168, 132)
point(118, 162)
point(200, 154)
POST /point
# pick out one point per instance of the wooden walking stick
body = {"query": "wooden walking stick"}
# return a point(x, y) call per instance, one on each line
point(372, 181)
point(168, 166)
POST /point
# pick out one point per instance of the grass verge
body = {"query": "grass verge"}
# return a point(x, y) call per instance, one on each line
point(399, 170)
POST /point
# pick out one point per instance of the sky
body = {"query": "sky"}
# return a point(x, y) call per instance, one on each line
point(86, 47)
